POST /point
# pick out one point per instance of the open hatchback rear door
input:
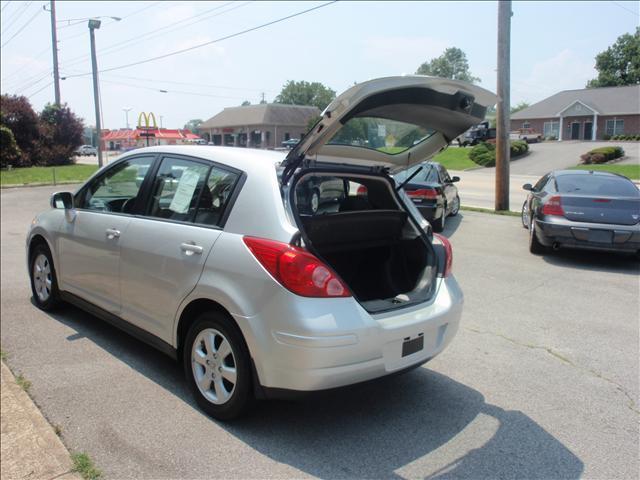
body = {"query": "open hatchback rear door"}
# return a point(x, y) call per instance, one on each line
point(391, 122)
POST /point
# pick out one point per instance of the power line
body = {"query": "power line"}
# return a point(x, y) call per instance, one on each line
point(211, 42)
point(108, 50)
point(5, 6)
point(38, 91)
point(27, 63)
point(162, 90)
point(16, 15)
point(192, 84)
point(627, 9)
point(23, 27)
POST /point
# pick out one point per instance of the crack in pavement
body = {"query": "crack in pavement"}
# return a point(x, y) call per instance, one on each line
point(632, 403)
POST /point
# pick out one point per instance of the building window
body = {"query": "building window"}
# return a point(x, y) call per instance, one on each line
point(526, 125)
point(614, 127)
point(551, 129)
point(286, 136)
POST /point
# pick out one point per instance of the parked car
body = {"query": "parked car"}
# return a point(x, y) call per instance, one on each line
point(315, 192)
point(478, 134)
point(527, 134)
point(582, 209)
point(256, 297)
point(85, 150)
point(432, 191)
point(292, 142)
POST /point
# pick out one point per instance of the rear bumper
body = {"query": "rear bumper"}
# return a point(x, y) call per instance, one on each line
point(373, 346)
point(567, 234)
point(430, 212)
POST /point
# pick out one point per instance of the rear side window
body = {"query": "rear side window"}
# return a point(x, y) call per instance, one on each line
point(428, 173)
point(596, 185)
point(190, 191)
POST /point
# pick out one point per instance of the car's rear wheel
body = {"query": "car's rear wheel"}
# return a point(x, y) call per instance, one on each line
point(525, 215)
point(535, 246)
point(44, 285)
point(217, 366)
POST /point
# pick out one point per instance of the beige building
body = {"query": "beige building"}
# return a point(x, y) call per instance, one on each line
point(258, 126)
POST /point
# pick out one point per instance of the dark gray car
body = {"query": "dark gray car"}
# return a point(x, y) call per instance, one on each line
point(583, 209)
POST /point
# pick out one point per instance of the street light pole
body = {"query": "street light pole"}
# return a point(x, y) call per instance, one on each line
point(93, 24)
point(54, 46)
point(503, 149)
point(126, 116)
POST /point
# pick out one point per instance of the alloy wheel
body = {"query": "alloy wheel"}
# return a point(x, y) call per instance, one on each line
point(213, 364)
point(42, 282)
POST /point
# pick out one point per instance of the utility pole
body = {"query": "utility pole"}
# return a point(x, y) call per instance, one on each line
point(160, 121)
point(126, 116)
point(54, 46)
point(503, 150)
point(93, 24)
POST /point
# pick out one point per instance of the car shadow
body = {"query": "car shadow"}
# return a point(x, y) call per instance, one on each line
point(452, 223)
point(377, 429)
point(595, 261)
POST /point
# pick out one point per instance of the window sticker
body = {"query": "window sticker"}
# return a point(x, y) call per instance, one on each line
point(184, 193)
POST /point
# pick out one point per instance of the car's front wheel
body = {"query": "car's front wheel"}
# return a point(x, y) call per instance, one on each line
point(455, 208)
point(217, 366)
point(525, 215)
point(44, 284)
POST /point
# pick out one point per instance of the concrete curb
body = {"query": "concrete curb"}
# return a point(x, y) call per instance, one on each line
point(30, 448)
point(41, 184)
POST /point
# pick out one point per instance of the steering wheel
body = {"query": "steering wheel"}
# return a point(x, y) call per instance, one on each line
point(128, 205)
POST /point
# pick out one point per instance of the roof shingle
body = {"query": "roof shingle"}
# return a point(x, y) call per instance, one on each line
point(263, 114)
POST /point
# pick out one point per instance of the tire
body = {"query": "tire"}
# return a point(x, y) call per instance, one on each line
point(456, 207)
point(44, 283)
point(525, 215)
point(221, 398)
point(535, 246)
point(438, 225)
point(314, 202)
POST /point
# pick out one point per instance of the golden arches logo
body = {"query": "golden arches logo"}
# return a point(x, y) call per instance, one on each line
point(147, 117)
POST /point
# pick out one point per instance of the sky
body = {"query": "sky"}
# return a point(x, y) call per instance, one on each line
point(553, 46)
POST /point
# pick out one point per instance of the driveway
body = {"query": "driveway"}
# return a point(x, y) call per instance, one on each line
point(541, 381)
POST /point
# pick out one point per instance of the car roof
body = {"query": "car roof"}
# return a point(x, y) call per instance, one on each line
point(249, 160)
point(597, 173)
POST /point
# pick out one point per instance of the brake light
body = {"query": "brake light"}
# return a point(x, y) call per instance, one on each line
point(296, 269)
point(423, 193)
point(602, 200)
point(448, 251)
point(553, 206)
point(362, 190)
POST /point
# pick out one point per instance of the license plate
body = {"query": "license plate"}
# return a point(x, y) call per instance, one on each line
point(413, 345)
point(600, 236)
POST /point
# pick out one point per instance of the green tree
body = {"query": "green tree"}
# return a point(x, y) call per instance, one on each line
point(194, 125)
point(620, 63)
point(246, 103)
point(306, 93)
point(520, 106)
point(451, 64)
point(9, 151)
point(61, 132)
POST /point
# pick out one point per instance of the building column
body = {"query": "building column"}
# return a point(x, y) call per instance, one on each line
point(560, 129)
point(248, 137)
point(263, 139)
point(594, 130)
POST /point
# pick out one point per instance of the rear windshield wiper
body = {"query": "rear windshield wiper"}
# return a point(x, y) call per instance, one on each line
point(418, 170)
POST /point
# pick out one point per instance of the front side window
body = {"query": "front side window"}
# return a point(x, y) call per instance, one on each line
point(116, 190)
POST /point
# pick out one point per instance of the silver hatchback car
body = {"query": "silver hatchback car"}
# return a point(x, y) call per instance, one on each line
point(212, 254)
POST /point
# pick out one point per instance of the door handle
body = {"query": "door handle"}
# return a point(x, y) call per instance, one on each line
point(112, 233)
point(191, 248)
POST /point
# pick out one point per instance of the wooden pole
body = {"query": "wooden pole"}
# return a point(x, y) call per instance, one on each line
point(503, 121)
point(54, 46)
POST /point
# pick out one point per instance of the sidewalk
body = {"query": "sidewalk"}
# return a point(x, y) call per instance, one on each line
point(30, 449)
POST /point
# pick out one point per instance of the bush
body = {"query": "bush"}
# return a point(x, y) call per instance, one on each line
point(18, 116)
point(484, 154)
point(61, 133)
point(10, 153)
point(601, 155)
point(606, 136)
point(551, 137)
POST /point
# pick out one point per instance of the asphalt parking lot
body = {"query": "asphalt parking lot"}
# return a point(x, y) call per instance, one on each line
point(541, 381)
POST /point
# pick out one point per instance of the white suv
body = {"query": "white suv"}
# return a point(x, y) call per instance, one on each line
point(212, 255)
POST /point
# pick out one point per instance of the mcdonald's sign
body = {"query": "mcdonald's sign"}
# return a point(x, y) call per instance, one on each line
point(147, 117)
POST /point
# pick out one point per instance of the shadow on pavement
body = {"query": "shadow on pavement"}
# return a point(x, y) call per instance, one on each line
point(452, 223)
point(370, 430)
point(595, 261)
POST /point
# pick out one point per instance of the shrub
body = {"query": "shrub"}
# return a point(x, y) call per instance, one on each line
point(606, 136)
point(18, 116)
point(551, 137)
point(601, 155)
point(9, 151)
point(484, 154)
point(61, 134)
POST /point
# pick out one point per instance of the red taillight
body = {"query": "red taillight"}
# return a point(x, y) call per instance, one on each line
point(297, 269)
point(448, 251)
point(425, 193)
point(362, 190)
point(602, 200)
point(553, 206)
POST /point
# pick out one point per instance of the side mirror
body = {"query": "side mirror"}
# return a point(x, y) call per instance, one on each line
point(528, 187)
point(62, 200)
point(455, 179)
